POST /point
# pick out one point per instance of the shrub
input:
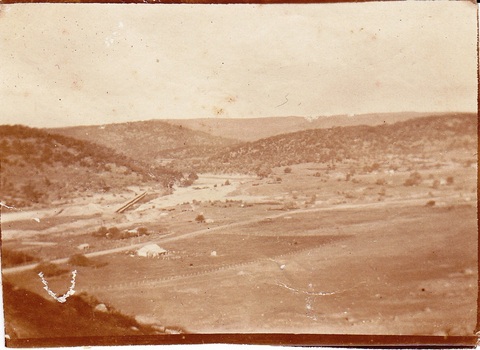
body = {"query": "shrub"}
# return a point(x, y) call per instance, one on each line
point(227, 183)
point(450, 180)
point(290, 205)
point(49, 269)
point(313, 199)
point(101, 232)
point(82, 260)
point(142, 231)
point(263, 171)
point(186, 182)
point(200, 218)
point(13, 258)
point(113, 233)
point(413, 180)
point(193, 176)
point(430, 203)
point(370, 168)
point(287, 170)
point(79, 260)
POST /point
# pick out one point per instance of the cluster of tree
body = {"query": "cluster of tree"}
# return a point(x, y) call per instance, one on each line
point(14, 257)
point(115, 233)
point(82, 260)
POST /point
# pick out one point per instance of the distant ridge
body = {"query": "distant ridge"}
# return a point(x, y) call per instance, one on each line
point(363, 143)
point(149, 141)
point(252, 129)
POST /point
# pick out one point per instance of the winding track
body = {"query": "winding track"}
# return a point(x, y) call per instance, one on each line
point(176, 236)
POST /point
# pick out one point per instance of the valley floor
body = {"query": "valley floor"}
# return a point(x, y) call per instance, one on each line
point(292, 253)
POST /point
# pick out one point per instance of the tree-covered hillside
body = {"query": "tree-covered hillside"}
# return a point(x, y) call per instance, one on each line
point(414, 137)
point(38, 167)
point(151, 141)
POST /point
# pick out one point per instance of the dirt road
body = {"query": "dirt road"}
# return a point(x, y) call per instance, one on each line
point(176, 236)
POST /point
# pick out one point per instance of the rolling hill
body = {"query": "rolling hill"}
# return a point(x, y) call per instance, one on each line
point(251, 129)
point(419, 137)
point(39, 167)
point(151, 141)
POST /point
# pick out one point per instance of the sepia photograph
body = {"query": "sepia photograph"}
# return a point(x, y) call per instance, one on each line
point(245, 173)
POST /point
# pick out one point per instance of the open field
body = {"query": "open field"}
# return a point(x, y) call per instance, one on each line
point(306, 253)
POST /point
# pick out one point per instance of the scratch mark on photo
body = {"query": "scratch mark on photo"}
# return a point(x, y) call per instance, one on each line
point(286, 101)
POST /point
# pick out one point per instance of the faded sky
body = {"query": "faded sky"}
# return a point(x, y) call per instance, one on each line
point(70, 64)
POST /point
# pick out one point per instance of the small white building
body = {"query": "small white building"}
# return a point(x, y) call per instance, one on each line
point(84, 246)
point(151, 251)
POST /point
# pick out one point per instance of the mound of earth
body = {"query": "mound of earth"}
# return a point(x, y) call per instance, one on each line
point(30, 316)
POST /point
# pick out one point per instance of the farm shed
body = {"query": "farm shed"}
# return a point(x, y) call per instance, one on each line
point(151, 251)
point(83, 246)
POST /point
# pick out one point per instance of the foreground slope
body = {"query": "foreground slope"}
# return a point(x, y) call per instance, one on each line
point(81, 315)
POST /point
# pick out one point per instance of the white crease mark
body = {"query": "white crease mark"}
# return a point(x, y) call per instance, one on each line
point(63, 298)
point(2, 204)
point(305, 292)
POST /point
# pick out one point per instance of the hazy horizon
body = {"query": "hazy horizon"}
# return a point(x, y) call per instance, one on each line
point(94, 64)
point(414, 114)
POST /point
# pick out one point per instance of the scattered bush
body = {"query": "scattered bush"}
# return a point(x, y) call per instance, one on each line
point(313, 199)
point(101, 232)
point(14, 258)
point(413, 180)
point(186, 183)
point(82, 260)
point(193, 176)
point(371, 168)
point(290, 205)
point(142, 231)
point(49, 269)
point(113, 233)
point(79, 260)
point(450, 180)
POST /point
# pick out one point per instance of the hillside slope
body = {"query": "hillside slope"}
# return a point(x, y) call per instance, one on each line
point(367, 144)
point(38, 167)
point(252, 129)
point(150, 141)
point(30, 316)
